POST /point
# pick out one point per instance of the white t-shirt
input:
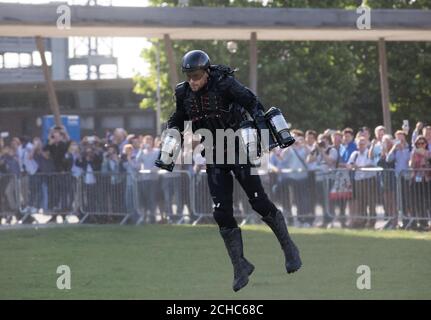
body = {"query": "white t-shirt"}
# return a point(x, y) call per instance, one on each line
point(145, 160)
point(30, 165)
point(89, 175)
point(362, 160)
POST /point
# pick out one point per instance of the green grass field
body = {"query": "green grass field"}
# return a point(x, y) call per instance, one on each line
point(184, 262)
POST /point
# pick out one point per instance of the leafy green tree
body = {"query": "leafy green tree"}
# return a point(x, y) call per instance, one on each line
point(317, 84)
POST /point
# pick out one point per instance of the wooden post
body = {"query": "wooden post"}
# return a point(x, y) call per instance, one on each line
point(52, 97)
point(384, 85)
point(173, 74)
point(253, 62)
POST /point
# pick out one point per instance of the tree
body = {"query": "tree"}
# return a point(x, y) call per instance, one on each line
point(318, 85)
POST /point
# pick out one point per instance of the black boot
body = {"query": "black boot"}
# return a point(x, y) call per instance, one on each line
point(241, 267)
point(275, 221)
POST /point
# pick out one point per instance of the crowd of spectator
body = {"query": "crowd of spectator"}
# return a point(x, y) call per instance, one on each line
point(303, 175)
point(48, 172)
point(362, 186)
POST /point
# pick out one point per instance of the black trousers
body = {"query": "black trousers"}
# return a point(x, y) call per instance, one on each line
point(220, 182)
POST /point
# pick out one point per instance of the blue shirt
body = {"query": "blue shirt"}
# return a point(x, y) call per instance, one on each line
point(12, 164)
point(346, 152)
point(401, 158)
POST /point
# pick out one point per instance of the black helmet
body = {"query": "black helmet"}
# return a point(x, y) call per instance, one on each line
point(195, 60)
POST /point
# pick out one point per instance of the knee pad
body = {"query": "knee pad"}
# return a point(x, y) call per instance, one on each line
point(262, 205)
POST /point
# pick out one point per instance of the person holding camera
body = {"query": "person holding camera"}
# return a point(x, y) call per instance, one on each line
point(374, 153)
point(129, 165)
point(58, 143)
point(323, 155)
point(388, 182)
point(335, 161)
point(112, 168)
point(321, 158)
point(417, 131)
point(30, 181)
point(400, 156)
point(73, 173)
point(364, 187)
point(148, 178)
point(420, 162)
point(91, 162)
point(400, 152)
point(376, 144)
point(45, 168)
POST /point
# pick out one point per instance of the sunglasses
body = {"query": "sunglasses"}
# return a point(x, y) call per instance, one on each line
point(195, 76)
point(421, 143)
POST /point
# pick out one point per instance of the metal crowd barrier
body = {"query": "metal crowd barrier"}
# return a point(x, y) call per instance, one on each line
point(242, 207)
point(202, 201)
point(242, 210)
point(415, 196)
point(294, 192)
point(353, 198)
point(359, 198)
point(163, 196)
point(107, 196)
point(50, 194)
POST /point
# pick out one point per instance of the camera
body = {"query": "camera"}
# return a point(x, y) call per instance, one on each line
point(321, 144)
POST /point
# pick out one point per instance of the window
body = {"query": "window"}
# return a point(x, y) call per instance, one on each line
point(87, 123)
point(78, 72)
point(141, 122)
point(66, 100)
point(111, 122)
point(24, 60)
point(11, 60)
point(109, 98)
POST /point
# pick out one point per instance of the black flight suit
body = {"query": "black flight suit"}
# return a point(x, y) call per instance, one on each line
point(221, 104)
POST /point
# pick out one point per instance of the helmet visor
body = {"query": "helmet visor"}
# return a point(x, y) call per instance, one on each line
point(195, 75)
